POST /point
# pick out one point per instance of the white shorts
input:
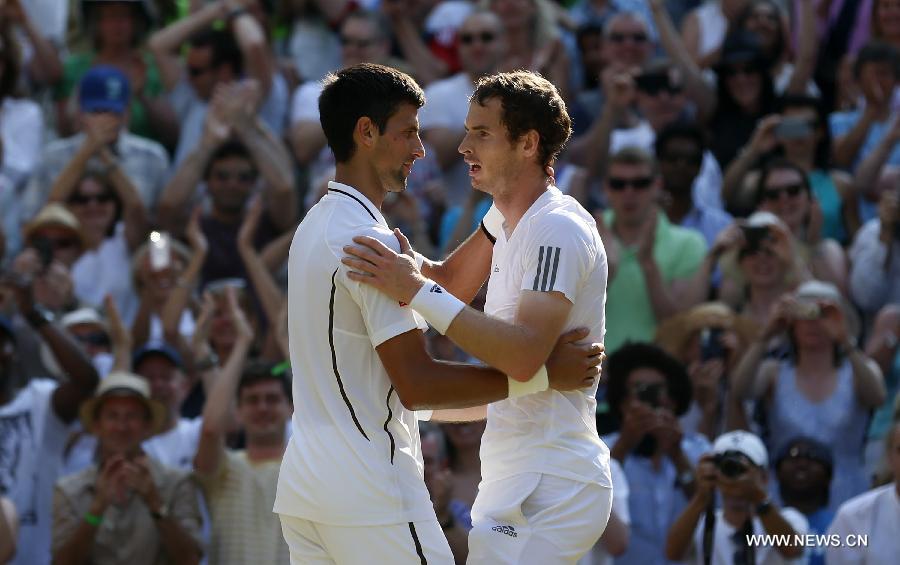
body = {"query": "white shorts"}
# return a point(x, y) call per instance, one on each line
point(413, 543)
point(536, 519)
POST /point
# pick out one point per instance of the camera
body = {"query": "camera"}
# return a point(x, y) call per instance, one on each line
point(806, 311)
point(793, 127)
point(754, 237)
point(649, 394)
point(732, 464)
point(711, 344)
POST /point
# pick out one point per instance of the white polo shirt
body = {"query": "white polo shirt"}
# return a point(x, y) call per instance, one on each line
point(554, 247)
point(354, 458)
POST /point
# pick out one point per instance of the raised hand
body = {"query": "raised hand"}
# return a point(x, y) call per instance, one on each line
point(247, 231)
point(571, 365)
point(238, 318)
point(194, 233)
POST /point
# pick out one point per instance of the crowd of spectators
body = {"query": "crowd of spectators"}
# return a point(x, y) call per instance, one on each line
point(742, 161)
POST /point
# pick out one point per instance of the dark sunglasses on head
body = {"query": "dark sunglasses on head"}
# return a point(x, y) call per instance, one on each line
point(244, 176)
point(354, 42)
point(194, 72)
point(88, 198)
point(656, 83)
point(775, 193)
point(641, 183)
point(470, 38)
point(637, 37)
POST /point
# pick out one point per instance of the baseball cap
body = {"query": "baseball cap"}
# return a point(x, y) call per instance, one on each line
point(157, 348)
point(744, 443)
point(104, 89)
point(808, 448)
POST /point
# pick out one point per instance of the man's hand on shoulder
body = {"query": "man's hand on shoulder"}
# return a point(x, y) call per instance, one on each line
point(373, 263)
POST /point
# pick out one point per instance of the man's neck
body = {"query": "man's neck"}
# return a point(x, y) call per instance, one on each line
point(517, 197)
point(363, 179)
point(265, 449)
point(629, 233)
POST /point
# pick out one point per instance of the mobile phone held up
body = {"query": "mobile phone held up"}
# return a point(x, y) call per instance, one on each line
point(711, 344)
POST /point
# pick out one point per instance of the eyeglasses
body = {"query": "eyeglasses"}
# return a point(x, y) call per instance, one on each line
point(618, 37)
point(773, 194)
point(688, 159)
point(354, 42)
point(82, 199)
point(483, 37)
point(652, 86)
point(194, 72)
point(640, 183)
point(242, 176)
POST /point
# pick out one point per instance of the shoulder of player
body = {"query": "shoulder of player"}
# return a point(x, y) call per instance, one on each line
point(561, 223)
point(341, 233)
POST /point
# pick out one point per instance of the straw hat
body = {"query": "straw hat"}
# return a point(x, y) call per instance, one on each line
point(674, 333)
point(55, 214)
point(119, 384)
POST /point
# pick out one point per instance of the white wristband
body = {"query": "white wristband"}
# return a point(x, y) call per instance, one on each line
point(436, 305)
point(539, 382)
point(420, 259)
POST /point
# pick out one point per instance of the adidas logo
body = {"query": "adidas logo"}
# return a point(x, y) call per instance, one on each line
point(508, 530)
point(496, 269)
point(437, 289)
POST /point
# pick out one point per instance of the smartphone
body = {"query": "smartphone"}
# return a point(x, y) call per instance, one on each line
point(711, 344)
point(793, 127)
point(160, 251)
point(754, 236)
point(649, 394)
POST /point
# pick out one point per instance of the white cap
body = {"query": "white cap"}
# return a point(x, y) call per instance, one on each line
point(745, 443)
point(763, 219)
point(818, 290)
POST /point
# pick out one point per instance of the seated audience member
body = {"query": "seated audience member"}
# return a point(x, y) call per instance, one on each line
point(804, 469)
point(240, 486)
point(882, 346)
point(649, 258)
point(738, 470)
point(709, 339)
point(875, 258)
point(647, 391)
point(34, 421)
point(826, 386)
point(230, 167)
point(127, 507)
point(453, 516)
point(103, 96)
point(875, 513)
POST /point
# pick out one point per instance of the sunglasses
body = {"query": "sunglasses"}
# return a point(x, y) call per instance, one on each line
point(81, 199)
point(358, 43)
point(483, 37)
point(654, 84)
point(245, 177)
point(195, 72)
point(640, 183)
point(692, 159)
point(791, 190)
point(98, 339)
point(617, 37)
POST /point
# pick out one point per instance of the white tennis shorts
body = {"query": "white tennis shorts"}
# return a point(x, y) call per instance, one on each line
point(536, 519)
point(413, 543)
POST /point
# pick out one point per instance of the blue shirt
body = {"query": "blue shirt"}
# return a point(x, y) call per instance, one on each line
point(818, 524)
point(654, 501)
point(708, 221)
point(842, 122)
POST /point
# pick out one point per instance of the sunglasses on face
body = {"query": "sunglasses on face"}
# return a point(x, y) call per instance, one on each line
point(354, 42)
point(640, 183)
point(245, 177)
point(483, 37)
point(656, 83)
point(97, 339)
point(81, 199)
point(637, 37)
point(791, 190)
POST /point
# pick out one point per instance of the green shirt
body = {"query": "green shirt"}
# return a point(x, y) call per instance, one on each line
point(629, 313)
point(77, 64)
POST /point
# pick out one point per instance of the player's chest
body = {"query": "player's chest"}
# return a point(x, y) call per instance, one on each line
point(505, 282)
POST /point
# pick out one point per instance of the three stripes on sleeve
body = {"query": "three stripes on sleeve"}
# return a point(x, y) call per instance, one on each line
point(548, 263)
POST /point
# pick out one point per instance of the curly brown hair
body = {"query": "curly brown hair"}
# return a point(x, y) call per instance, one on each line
point(529, 102)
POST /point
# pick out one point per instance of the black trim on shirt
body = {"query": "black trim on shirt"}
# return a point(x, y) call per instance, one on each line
point(361, 203)
point(337, 373)
point(490, 237)
point(387, 421)
point(412, 530)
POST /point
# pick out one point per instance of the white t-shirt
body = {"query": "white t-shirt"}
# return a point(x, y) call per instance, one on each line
point(876, 513)
point(112, 260)
point(354, 458)
point(724, 547)
point(554, 247)
point(446, 106)
point(32, 439)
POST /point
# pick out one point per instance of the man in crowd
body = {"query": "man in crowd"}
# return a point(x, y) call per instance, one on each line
point(128, 507)
point(875, 258)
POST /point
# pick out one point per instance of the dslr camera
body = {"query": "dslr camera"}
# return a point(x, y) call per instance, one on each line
point(732, 464)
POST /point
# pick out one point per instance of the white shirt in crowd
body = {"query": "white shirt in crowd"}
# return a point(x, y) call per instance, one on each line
point(112, 259)
point(876, 513)
point(554, 247)
point(724, 547)
point(354, 458)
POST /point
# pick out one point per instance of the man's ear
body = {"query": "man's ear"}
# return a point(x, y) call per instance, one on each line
point(531, 143)
point(366, 132)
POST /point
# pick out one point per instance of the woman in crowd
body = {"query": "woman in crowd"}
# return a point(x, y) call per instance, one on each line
point(824, 389)
point(885, 21)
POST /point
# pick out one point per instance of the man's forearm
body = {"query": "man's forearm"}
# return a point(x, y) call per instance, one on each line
point(455, 386)
point(681, 534)
point(274, 163)
point(464, 271)
point(76, 365)
point(173, 203)
point(865, 180)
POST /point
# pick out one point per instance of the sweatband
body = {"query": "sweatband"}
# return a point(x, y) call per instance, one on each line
point(436, 305)
point(93, 519)
point(539, 382)
point(420, 259)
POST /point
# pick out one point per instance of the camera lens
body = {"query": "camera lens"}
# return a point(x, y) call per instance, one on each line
point(731, 465)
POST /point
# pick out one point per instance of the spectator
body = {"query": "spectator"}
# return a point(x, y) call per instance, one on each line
point(647, 391)
point(34, 421)
point(885, 22)
point(705, 27)
point(824, 389)
point(857, 132)
point(230, 168)
point(40, 59)
point(804, 469)
point(649, 258)
point(116, 31)
point(54, 236)
point(90, 330)
point(103, 97)
point(588, 100)
point(873, 513)
point(627, 41)
point(882, 346)
point(875, 175)
point(738, 470)
point(240, 485)
point(128, 507)
point(439, 479)
point(216, 57)
point(463, 446)
point(875, 258)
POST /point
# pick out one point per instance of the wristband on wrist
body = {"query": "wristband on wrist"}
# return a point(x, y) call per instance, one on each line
point(93, 519)
point(420, 259)
point(539, 382)
point(436, 305)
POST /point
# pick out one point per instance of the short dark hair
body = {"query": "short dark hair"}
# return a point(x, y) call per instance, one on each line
point(778, 164)
point(633, 155)
point(640, 355)
point(877, 52)
point(528, 102)
point(364, 90)
point(679, 130)
point(225, 50)
point(229, 149)
point(258, 371)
